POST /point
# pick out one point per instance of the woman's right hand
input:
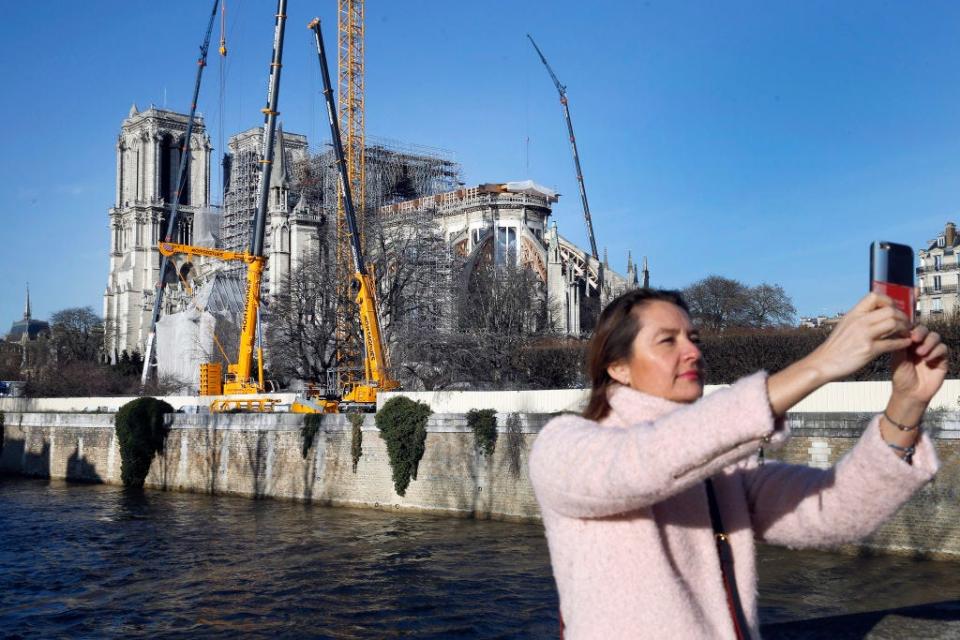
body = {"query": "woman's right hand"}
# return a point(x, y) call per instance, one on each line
point(874, 326)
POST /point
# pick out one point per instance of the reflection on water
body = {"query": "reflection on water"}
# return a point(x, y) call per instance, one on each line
point(96, 561)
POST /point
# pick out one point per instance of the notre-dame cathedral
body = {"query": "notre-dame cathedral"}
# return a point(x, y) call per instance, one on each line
point(502, 219)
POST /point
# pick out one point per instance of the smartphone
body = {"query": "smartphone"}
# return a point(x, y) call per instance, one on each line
point(891, 273)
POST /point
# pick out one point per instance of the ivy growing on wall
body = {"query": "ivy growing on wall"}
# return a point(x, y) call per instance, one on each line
point(516, 445)
point(141, 433)
point(356, 438)
point(483, 422)
point(403, 426)
point(308, 432)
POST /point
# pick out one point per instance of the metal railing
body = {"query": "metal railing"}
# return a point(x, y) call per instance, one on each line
point(931, 291)
point(934, 269)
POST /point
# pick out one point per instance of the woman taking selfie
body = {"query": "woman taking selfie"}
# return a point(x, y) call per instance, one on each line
point(653, 499)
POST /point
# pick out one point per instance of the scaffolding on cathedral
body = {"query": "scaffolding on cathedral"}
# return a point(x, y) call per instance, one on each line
point(395, 172)
point(241, 176)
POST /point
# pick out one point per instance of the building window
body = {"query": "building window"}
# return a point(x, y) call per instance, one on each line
point(936, 283)
point(506, 248)
point(941, 241)
point(937, 263)
point(936, 305)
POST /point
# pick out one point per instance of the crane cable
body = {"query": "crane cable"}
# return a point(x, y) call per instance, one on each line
point(223, 29)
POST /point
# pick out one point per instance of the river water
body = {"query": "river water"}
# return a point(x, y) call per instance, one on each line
point(95, 561)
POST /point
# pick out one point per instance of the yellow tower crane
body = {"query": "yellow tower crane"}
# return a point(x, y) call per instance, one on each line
point(350, 90)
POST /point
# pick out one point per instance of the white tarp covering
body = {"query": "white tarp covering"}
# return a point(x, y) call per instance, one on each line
point(185, 339)
point(532, 188)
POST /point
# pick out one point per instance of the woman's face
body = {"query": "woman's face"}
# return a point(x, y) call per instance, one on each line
point(665, 359)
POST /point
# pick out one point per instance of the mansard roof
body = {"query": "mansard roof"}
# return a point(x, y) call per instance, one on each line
point(950, 237)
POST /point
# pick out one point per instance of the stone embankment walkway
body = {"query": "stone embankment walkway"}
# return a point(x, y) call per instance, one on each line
point(937, 621)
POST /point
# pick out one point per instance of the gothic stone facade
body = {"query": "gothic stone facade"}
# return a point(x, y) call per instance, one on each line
point(510, 222)
point(293, 227)
point(148, 156)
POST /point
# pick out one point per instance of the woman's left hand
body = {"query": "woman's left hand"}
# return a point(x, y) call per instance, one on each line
point(919, 370)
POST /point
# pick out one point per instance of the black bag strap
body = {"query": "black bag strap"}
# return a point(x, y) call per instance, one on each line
point(740, 626)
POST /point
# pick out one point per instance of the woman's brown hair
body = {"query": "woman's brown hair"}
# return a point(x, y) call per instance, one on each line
point(612, 341)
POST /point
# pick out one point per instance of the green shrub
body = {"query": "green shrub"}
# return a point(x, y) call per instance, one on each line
point(308, 432)
point(484, 425)
point(141, 433)
point(356, 438)
point(403, 426)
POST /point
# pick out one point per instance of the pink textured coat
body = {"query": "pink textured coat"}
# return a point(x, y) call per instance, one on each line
point(627, 520)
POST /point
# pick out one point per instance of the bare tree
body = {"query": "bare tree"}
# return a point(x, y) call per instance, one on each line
point(503, 311)
point(412, 269)
point(769, 306)
point(301, 322)
point(719, 303)
point(76, 335)
point(11, 356)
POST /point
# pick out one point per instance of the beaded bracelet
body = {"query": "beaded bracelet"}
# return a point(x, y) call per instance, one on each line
point(901, 427)
point(907, 451)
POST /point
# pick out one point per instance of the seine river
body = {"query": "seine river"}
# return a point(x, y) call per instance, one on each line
point(93, 561)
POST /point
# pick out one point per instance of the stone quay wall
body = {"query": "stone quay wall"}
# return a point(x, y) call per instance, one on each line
point(261, 455)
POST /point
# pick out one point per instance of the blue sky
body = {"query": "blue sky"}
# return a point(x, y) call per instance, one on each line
point(763, 141)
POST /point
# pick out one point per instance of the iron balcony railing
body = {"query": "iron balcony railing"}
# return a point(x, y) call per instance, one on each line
point(934, 269)
point(930, 291)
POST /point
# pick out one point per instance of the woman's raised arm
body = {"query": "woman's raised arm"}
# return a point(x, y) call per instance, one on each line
point(583, 470)
point(871, 328)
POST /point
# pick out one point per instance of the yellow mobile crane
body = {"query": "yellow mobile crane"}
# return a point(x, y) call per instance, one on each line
point(352, 394)
point(239, 379)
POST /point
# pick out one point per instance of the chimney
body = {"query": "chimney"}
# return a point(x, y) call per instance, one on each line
point(950, 234)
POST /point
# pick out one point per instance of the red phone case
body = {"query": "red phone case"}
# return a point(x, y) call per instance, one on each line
point(903, 296)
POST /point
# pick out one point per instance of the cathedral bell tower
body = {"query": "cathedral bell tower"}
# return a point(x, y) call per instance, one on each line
point(148, 158)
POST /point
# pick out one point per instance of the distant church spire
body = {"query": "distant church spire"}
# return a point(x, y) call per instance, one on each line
point(631, 269)
point(646, 274)
point(26, 307)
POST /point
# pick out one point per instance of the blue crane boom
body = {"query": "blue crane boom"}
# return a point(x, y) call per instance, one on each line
point(185, 153)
